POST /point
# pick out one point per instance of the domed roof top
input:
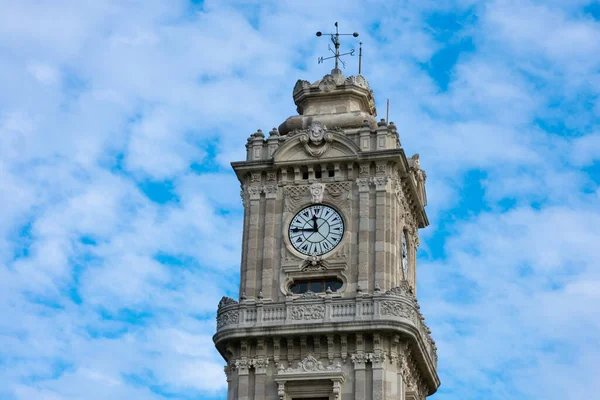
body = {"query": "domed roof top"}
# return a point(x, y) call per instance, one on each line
point(335, 101)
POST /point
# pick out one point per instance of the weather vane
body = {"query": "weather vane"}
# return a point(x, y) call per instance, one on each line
point(335, 39)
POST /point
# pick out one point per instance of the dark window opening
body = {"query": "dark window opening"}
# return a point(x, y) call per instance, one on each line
point(330, 171)
point(318, 285)
point(304, 173)
point(318, 174)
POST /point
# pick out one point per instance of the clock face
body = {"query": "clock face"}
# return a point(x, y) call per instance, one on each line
point(404, 256)
point(316, 230)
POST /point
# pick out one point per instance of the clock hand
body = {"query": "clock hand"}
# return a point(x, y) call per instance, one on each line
point(315, 227)
point(302, 229)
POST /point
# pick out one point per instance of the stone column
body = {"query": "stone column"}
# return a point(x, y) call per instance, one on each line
point(243, 368)
point(254, 192)
point(230, 388)
point(363, 230)
point(394, 263)
point(246, 202)
point(381, 222)
point(261, 364)
point(269, 241)
point(377, 360)
point(360, 378)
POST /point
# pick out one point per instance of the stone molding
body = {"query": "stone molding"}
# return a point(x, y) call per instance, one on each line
point(397, 305)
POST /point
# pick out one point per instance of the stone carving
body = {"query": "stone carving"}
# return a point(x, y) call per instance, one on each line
point(363, 184)
point(337, 389)
point(420, 174)
point(226, 301)
point(255, 177)
point(381, 182)
point(316, 132)
point(227, 318)
point(244, 197)
point(270, 191)
point(329, 82)
point(395, 308)
point(309, 364)
point(378, 357)
point(344, 344)
point(271, 176)
point(316, 140)
point(254, 192)
point(308, 312)
point(260, 365)
point(314, 268)
point(293, 194)
point(358, 80)
point(316, 192)
point(403, 290)
point(337, 190)
point(358, 358)
point(308, 295)
point(243, 366)
point(300, 85)
point(314, 263)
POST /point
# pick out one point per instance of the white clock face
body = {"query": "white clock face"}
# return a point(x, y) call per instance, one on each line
point(404, 256)
point(316, 230)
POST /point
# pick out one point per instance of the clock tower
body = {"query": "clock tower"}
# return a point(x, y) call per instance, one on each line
point(327, 305)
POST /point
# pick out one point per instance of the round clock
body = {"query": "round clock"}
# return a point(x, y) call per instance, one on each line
point(316, 230)
point(404, 256)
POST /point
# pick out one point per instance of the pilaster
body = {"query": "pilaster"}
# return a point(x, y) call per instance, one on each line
point(270, 240)
point(364, 234)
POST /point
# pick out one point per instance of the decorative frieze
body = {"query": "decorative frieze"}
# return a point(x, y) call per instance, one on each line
point(308, 312)
point(227, 318)
point(309, 364)
point(395, 308)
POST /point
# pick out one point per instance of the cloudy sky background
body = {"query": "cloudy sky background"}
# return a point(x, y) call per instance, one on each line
point(120, 218)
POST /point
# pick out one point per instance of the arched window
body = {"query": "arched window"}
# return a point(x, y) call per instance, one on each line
point(316, 285)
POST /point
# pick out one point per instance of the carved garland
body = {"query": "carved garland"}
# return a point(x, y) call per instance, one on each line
point(308, 312)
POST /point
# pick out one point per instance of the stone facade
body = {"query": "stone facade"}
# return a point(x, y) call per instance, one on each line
point(368, 339)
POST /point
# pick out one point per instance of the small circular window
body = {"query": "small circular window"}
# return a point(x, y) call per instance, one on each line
point(318, 285)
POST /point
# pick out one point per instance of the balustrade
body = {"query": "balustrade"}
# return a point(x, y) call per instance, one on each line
point(325, 309)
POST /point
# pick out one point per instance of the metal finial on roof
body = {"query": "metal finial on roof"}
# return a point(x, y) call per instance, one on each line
point(335, 39)
point(359, 57)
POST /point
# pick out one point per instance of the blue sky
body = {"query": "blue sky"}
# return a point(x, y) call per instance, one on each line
point(120, 223)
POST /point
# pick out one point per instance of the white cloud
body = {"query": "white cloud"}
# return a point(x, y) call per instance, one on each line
point(99, 98)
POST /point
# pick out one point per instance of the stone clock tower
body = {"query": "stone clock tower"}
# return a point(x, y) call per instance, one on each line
point(327, 306)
